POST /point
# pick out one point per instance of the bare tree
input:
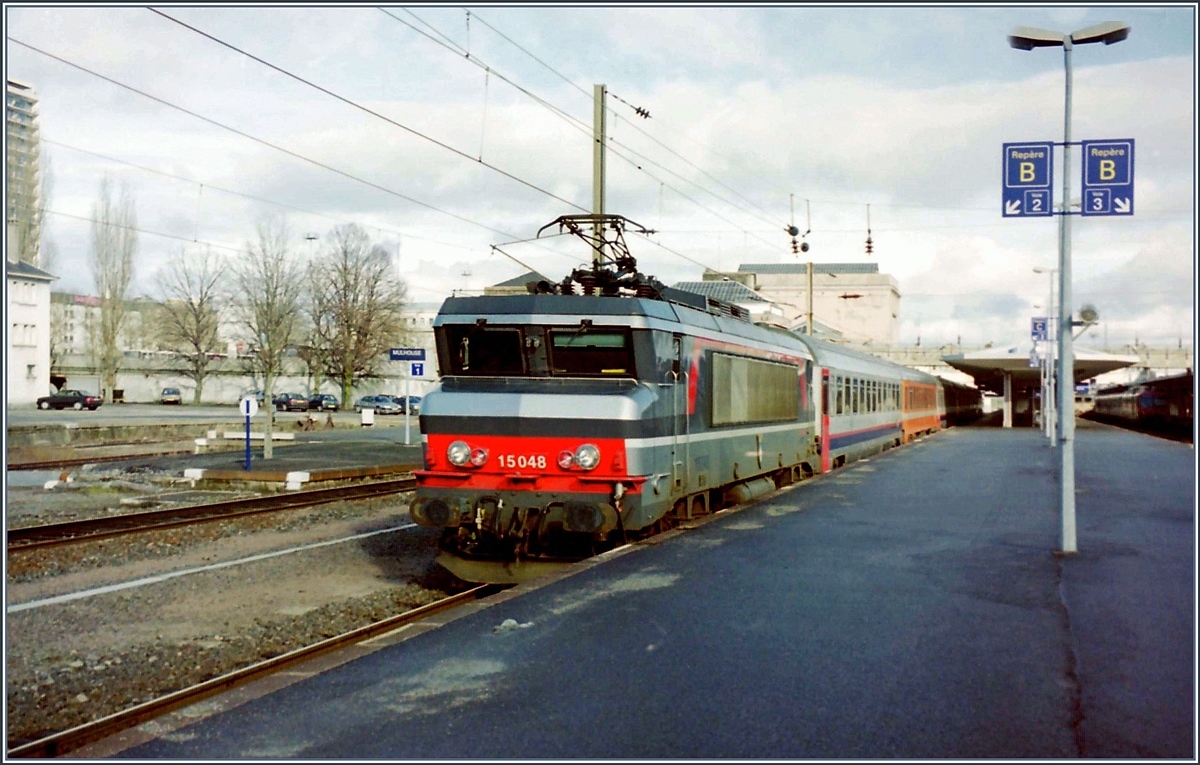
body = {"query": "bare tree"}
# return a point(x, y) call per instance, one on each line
point(356, 307)
point(114, 248)
point(269, 288)
point(189, 317)
point(46, 248)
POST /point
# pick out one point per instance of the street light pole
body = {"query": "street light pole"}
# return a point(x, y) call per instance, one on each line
point(1028, 38)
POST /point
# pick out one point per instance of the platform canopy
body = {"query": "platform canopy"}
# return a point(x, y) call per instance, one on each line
point(989, 365)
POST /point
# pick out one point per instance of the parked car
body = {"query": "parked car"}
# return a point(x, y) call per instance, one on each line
point(381, 404)
point(414, 401)
point(70, 399)
point(291, 402)
point(171, 396)
point(323, 402)
point(259, 396)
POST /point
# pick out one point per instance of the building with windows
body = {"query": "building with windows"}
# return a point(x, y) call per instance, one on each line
point(852, 303)
point(22, 170)
point(28, 335)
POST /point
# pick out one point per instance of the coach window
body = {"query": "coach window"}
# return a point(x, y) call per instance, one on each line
point(837, 383)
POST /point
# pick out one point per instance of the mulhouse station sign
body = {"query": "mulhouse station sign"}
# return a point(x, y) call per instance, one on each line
point(1028, 181)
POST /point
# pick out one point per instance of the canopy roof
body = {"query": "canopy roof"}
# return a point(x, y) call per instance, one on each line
point(989, 365)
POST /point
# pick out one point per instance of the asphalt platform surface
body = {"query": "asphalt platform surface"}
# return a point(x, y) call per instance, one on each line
point(909, 606)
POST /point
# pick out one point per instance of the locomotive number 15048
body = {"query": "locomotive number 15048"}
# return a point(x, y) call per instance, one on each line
point(523, 461)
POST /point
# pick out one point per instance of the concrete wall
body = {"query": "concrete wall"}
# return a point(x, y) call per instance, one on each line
point(142, 378)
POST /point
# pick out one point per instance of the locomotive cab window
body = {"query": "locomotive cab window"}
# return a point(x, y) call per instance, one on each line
point(591, 353)
point(485, 351)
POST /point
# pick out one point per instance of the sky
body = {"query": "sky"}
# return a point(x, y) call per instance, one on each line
point(452, 135)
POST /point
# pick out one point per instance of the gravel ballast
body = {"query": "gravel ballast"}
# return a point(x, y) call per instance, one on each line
point(73, 662)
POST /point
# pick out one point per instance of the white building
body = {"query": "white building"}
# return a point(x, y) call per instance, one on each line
point(851, 302)
point(27, 351)
point(22, 169)
point(851, 298)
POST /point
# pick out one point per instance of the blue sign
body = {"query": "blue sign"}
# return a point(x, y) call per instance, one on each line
point(406, 354)
point(418, 370)
point(1028, 175)
point(1107, 177)
point(1038, 329)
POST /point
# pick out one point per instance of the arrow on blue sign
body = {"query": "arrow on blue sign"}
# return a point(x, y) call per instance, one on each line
point(1028, 170)
point(1108, 177)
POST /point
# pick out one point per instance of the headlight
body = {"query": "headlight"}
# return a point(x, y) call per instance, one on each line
point(459, 453)
point(587, 457)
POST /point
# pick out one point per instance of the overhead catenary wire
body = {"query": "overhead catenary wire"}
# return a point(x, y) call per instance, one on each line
point(578, 124)
point(244, 195)
point(634, 125)
point(372, 112)
point(264, 142)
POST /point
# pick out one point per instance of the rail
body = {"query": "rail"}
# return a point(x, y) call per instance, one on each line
point(69, 532)
point(60, 743)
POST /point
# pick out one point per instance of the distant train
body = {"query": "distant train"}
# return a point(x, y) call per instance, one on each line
point(609, 407)
point(1162, 405)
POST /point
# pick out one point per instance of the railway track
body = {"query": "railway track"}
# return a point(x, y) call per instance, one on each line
point(69, 740)
point(71, 532)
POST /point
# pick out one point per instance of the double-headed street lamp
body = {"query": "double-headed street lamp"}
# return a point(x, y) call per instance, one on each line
point(1028, 38)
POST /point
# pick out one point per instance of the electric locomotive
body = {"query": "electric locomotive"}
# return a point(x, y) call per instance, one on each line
point(609, 407)
point(598, 410)
point(1163, 405)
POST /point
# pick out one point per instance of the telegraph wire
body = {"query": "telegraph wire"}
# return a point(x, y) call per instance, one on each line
point(634, 125)
point(240, 250)
point(705, 147)
point(561, 76)
point(373, 113)
point(678, 254)
point(243, 134)
point(578, 124)
point(582, 90)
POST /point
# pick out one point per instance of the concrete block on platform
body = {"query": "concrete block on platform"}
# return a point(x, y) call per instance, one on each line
point(257, 436)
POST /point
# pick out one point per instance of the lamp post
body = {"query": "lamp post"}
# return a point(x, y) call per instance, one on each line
point(1048, 408)
point(1028, 38)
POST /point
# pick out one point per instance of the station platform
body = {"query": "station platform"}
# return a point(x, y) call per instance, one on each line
point(307, 457)
point(908, 606)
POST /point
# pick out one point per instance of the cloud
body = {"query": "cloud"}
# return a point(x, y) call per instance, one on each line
point(901, 109)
